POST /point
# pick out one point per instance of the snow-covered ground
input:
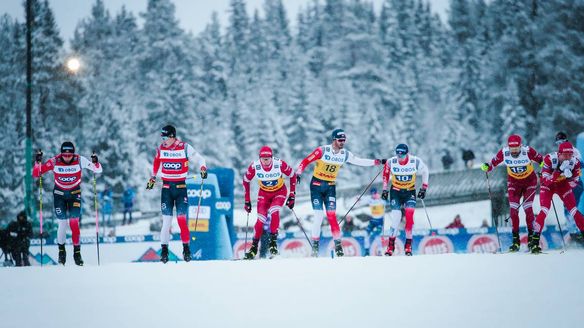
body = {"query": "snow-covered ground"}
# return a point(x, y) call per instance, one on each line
point(510, 290)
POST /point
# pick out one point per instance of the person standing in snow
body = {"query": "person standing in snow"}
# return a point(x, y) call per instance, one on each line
point(560, 174)
point(521, 182)
point(401, 170)
point(329, 160)
point(67, 168)
point(269, 171)
point(172, 163)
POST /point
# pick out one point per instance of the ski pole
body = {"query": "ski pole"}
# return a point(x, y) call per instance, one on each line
point(492, 218)
point(363, 193)
point(559, 225)
point(96, 218)
point(41, 215)
point(523, 202)
point(300, 225)
point(427, 216)
point(245, 243)
point(199, 206)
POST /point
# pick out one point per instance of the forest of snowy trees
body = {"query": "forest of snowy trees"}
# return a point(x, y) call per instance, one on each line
point(398, 74)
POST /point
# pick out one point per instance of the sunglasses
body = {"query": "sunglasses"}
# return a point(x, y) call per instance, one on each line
point(341, 140)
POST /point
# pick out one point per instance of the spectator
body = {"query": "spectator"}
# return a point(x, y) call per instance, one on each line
point(106, 201)
point(128, 199)
point(468, 156)
point(456, 223)
point(350, 225)
point(485, 224)
point(447, 160)
point(5, 247)
point(20, 231)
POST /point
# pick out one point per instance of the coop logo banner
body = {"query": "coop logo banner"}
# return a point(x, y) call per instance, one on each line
point(206, 193)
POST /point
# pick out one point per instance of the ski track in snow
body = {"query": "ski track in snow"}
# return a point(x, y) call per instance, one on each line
point(452, 290)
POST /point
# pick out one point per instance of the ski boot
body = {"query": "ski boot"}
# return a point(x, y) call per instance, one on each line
point(408, 247)
point(77, 255)
point(534, 246)
point(529, 236)
point(164, 253)
point(273, 246)
point(516, 244)
point(62, 254)
point(339, 248)
point(253, 250)
point(187, 252)
point(390, 247)
point(315, 248)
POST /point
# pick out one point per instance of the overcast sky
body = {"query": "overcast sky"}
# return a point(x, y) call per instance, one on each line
point(193, 15)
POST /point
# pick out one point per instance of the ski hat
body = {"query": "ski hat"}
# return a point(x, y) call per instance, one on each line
point(67, 147)
point(561, 137)
point(20, 215)
point(339, 134)
point(401, 149)
point(266, 151)
point(168, 131)
point(514, 141)
point(566, 148)
point(373, 191)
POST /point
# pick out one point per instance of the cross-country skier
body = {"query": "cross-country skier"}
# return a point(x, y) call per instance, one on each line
point(269, 171)
point(329, 160)
point(172, 163)
point(561, 172)
point(521, 181)
point(401, 171)
point(377, 211)
point(578, 189)
point(66, 168)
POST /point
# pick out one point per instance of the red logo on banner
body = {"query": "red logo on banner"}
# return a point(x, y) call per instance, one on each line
point(351, 247)
point(436, 245)
point(377, 249)
point(239, 249)
point(295, 248)
point(542, 241)
point(482, 244)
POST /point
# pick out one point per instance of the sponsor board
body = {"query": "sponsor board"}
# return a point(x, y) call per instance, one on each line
point(351, 247)
point(378, 249)
point(482, 244)
point(204, 212)
point(435, 245)
point(295, 248)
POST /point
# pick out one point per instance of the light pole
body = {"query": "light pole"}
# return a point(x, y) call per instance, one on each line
point(28, 150)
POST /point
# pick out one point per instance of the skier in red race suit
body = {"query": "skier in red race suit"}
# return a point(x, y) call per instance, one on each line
point(521, 181)
point(269, 171)
point(561, 172)
point(66, 168)
point(172, 162)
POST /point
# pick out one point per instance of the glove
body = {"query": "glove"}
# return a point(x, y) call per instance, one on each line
point(385, 195)
point(151, 183)
point(247, 206)
point(203, 173)
point(380, 161)
point(568, 173)
point(290, 201)
point(297, 178)
point(422, 193)
point(541, 164)
point(94, 159)
point(564, 166)
point(486, 167)
point(39, 156)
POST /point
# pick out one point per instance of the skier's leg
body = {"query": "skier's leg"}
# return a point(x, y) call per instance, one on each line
point(528, 205)
point(182, 205)
point(514, 193)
